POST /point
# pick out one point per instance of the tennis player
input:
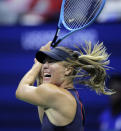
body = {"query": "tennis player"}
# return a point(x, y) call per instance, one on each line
point(56, 70)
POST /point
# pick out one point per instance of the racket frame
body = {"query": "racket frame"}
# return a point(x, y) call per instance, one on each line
point(55, 42)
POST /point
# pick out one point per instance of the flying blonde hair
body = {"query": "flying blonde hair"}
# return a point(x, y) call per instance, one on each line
point(90, 63)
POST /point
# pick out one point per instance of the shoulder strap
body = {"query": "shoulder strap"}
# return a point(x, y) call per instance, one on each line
point(82, 109)
point(75, 93)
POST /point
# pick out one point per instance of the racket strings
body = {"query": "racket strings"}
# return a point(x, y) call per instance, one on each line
point(72, 9)
point(70, 16)
point(93, 13)
point(87, 6)
point(83, 18)
point(78, 13)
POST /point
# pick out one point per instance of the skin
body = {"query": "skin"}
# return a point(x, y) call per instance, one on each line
point(52, 96)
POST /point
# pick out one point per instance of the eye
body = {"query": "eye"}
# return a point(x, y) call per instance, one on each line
point(50, 60)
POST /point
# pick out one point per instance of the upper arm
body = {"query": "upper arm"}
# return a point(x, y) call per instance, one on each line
point(46, 95)
point(34, 95)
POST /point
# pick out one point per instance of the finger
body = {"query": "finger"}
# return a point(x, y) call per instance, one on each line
point(49, 44)
point(46, 47)
point(35, 60)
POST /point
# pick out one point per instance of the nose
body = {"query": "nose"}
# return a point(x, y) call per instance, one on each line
point(46, 65)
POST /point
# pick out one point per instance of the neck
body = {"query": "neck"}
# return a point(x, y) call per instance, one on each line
point(67, 85)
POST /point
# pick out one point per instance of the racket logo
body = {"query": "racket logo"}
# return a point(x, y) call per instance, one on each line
point(71, 20)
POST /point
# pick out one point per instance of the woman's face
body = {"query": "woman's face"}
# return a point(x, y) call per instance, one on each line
point(53, 72)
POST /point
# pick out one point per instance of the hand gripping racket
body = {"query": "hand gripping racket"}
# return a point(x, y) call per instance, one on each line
point(76, 15)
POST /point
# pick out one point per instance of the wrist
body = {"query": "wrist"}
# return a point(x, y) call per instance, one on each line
point(37, 67)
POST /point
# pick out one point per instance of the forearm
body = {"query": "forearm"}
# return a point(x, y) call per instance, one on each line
point(31, 75)
point(25, 88)
point(28, 80)
point(39, 80)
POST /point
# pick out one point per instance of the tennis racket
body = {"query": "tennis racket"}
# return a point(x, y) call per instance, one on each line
point(76, 15)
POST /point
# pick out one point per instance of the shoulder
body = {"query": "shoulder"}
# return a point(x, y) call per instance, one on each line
point(63, 109)
point(60, 97)
point(58, 92)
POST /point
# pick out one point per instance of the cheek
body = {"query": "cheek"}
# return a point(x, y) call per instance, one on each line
point(58, 72)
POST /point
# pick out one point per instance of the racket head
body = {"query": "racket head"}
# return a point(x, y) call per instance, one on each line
point(78, 14)
point(89, 10)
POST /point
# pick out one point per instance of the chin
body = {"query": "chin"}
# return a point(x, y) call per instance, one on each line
point(52, 82)
point(47, 82)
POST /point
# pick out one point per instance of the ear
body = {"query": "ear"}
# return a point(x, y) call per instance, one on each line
point(68, 71)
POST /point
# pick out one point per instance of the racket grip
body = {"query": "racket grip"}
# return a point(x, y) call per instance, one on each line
point(56, 43)
point(54, 40)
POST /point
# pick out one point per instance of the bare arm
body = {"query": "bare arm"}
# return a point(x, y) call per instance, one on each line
point(25, 85)
point(30, 77)
point(46, 96)
point(28, 80)
point(40, 109)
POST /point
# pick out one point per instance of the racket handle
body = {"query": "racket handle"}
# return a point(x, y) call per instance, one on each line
point(56, 43)
point(54, 40)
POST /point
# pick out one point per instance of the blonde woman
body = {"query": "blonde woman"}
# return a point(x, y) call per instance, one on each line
point(55, 70)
